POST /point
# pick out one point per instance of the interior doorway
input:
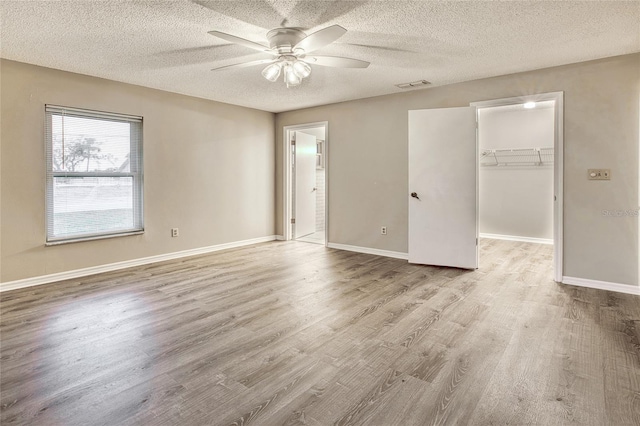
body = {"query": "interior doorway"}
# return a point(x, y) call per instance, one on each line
point(306, 183)
point(520, 171)
point(515, 178)
point(444, 163)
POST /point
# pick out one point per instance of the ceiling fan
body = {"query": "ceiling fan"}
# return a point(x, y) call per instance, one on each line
point(290, 48)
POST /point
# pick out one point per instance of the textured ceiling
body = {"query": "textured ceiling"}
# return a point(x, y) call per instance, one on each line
point(165, 45)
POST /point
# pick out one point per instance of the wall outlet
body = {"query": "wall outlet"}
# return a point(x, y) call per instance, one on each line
point(174, 232)
point(383, 230)
point(599, 174)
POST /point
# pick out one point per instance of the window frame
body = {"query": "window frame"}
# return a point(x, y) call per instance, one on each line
point(135, 173)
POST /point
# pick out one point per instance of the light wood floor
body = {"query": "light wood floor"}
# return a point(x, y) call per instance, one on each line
point(316, 238)
point(288, 333)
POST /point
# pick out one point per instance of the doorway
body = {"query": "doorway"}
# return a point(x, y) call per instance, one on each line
point(515, 178)
point(443, 181)
point(520, 185)
point(305, 148)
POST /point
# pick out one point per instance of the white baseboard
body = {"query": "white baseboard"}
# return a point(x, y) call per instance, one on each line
point(77, 273)
point(602, 285)
point(517, 238)
point(367, 250)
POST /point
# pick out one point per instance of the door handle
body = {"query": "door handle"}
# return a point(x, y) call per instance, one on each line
point(414, 195)
point(314, 189)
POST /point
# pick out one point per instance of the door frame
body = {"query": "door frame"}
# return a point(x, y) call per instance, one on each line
point(287, 190)
point(558, 166)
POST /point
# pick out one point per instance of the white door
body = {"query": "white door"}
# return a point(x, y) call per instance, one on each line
point(443, 176)
point(305, 182)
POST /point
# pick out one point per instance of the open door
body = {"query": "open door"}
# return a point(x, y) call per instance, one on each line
point(443, 182)
point(305, 184)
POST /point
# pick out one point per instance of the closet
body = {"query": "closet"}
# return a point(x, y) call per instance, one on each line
point(516, 172)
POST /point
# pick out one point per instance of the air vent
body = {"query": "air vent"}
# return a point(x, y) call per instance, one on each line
point(413, 84)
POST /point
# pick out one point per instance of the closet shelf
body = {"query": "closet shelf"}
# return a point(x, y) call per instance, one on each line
point(516, 157)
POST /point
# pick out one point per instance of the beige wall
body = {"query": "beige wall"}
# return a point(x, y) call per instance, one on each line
point(208, 170)
point(1, 62)
point(368, 160)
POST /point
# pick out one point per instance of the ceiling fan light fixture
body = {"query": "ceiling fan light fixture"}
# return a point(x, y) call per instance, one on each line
point(288, 48)
point(290, 76)
point(272, 71)
point(301, 68)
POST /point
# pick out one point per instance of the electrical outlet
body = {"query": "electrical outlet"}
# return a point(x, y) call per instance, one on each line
point(599, 174)
point(174, 232)
point(383, 230)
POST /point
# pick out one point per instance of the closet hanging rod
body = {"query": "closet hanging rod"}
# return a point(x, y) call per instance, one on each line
point(516, 156)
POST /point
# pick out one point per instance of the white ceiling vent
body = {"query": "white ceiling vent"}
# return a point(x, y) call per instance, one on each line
point(414, 84)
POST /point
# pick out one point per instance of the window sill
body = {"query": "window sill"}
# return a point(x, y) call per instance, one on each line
point(100, 237)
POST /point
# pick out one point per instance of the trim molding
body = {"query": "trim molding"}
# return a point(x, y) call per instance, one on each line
point(367, 250)
point(602, 285)
point(517, 238)
point(77, 273)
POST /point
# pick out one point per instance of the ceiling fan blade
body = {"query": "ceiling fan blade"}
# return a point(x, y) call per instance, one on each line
point(336, 61)
point(245, 64)
point(320, 38)
point(241, 41)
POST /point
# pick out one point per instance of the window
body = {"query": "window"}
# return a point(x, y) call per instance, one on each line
point(94, 174)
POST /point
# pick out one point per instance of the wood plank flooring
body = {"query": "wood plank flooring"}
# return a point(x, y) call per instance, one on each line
point(291, 333)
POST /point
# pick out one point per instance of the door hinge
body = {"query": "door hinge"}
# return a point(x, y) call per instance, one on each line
point(293, 221)
point(293, 142)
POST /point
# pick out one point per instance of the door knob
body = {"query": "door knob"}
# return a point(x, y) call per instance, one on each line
point(414, 195)
point(314, 189)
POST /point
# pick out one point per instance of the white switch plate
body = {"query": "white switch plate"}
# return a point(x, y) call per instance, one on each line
point(599, 174)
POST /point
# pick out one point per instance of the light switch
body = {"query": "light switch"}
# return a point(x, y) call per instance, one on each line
point(599, 174)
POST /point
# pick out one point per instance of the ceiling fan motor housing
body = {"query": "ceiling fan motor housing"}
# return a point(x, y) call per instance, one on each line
point(283, 40)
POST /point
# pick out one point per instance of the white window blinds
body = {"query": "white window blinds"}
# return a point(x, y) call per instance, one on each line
point(94, 174)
